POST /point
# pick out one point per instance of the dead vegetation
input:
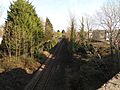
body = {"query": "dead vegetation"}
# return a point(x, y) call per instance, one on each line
point(90, 72)
point(15, 74)
point(30, 65)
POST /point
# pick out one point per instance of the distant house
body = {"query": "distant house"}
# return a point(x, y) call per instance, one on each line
point(102, 35)
point(99, 35)
point(90, 34)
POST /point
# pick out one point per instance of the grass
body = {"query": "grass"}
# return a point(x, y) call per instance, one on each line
point(29, 64)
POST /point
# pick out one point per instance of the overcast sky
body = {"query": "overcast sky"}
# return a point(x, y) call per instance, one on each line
point(58, 11)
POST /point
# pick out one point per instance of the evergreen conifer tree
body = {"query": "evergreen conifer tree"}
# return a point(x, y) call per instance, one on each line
point(48, 30)
point(23, 29)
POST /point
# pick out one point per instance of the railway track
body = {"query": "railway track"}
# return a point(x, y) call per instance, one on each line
point(45, 77)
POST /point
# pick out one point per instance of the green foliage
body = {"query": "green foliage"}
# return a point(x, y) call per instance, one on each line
point(82, 32)
point(54, 42)
point(58, 34)
point(48, 30)
point(50, 44)
point(23, 29)
point(73, 31)
point(81, 48)
point(75, 47)
point(38, 55)
point(72, 34)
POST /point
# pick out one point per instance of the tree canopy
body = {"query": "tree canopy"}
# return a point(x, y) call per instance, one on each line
point(23, 29)
point(48, 29)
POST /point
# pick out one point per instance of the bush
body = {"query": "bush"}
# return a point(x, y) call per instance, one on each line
point(50, 44)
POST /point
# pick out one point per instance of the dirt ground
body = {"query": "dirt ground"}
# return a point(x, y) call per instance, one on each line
point(14, 75)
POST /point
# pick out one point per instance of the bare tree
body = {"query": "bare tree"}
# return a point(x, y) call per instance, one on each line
point(109, 20)
point(89, 25)
point(82, 33)
point(72, 31)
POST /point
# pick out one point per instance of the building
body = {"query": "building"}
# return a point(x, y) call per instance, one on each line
point(103, 35)
point(90, 34)
point(99, 35)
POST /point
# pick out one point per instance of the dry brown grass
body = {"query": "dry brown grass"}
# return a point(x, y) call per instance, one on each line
point(30, 65)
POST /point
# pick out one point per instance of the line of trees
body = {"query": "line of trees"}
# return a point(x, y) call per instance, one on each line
point(107, 18)
point(24, 32)
point(48, 29)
